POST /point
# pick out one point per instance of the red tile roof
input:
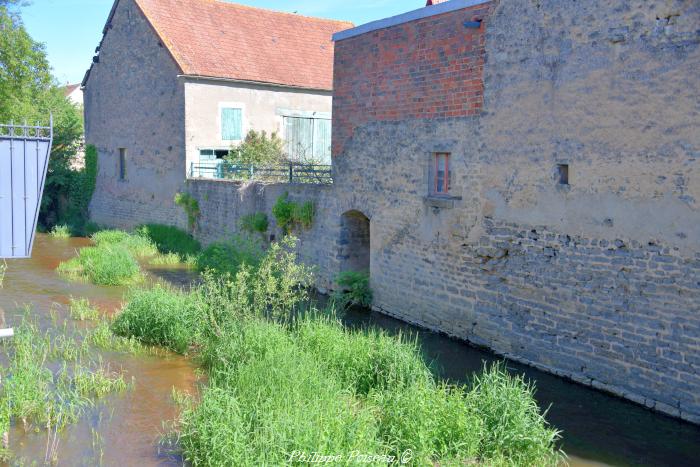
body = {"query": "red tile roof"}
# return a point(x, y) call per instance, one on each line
point(224, 40)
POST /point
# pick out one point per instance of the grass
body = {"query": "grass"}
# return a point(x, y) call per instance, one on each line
point(170, 240)
point(82, 310)
point(60, 231)
point(256, 222)
point(106, 264)
point(35, 396)
point(3, 271)
point(280, 384)
point(138, 245)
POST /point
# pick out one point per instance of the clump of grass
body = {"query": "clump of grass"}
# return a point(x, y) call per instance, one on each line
point(103, 265)
point(60, 231)
point(354, 289)
point(97, 382)
point(228, 257)
point(3, 270)
point(291, 214)
point(159, 316)
point(82, 310)
point(170, 240)
point(168, 259)
point(138, 245)
point(102, 337)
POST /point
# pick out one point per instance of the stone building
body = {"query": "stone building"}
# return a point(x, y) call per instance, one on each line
point(175, 85)
point(523, 175)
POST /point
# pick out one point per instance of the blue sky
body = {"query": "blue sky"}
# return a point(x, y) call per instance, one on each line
point(71, 29)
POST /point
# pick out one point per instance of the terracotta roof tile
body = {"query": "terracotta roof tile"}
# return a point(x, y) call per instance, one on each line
point(225, 40)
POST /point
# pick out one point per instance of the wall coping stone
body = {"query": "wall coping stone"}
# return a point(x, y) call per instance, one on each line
point(425, 12)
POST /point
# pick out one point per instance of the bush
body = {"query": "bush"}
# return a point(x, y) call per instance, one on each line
point(159, 316)
point(228, 257)
point(259, 150)
point(355, 289)
point(290, 214)
point(252, 223)
point(171, 240)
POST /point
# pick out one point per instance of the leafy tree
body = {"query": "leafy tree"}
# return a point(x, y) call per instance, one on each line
point(29, 92)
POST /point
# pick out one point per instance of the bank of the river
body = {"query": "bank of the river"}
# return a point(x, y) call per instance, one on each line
point(124, 428)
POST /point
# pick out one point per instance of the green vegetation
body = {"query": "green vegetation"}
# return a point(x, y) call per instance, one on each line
point(80, 191)
point(82, 310)
point(253, 223)
point(290, 214)
point(259, 150)
point(191, 208)
point(28, 92)
point(229, 256)
point(281, 381)
point(137, 245)
point(103, 265)
point(3, 270)
point(354, 289)
point(33, 395)
point(60, 231)
point(171, 240)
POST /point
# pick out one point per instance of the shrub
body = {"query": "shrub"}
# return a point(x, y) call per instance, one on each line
point(60, 231)
point(290, 214)
point(252, 223)
point(191, 208)
point(259, 150)
point(169, 239)
point(228, 257)
point(355, 289)
point(3, 270)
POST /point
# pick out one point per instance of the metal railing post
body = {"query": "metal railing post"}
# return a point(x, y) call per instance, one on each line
point(291, 172)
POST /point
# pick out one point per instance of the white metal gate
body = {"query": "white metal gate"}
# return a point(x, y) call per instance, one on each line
point(24, 159)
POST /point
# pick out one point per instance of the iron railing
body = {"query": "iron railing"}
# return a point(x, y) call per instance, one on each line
point(292, 172)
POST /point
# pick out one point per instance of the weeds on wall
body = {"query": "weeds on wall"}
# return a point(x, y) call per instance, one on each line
point(227, 257)
point(191, 208)
point(3, 270)
point(291, 214)
point(354, 289)
point(254, 223)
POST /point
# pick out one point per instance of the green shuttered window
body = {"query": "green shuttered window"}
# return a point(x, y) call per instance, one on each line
point(231, 124)
point(308, 139)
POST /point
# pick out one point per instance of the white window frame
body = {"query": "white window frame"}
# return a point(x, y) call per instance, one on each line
point(244, 122)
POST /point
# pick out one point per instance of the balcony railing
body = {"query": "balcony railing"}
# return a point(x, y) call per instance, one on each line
point(292, 172)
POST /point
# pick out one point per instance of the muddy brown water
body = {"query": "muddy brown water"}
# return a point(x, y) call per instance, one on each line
point(122, 429)
point(125, 429)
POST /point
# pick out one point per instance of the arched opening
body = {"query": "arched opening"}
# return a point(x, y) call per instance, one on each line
point(354, 243)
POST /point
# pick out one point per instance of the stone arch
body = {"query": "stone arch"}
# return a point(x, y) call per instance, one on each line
point(354, 242)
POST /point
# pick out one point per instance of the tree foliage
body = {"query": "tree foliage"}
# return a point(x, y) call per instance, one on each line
point(29, 92)
point(258, 149)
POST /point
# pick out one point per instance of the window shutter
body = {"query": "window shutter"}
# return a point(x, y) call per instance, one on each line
point(322, 141)
point(299, 133)
point(231, 124)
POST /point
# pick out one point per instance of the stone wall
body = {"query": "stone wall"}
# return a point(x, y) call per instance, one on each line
point(133, 100)
point(598, 279)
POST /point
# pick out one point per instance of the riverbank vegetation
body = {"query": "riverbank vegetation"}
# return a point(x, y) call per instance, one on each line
point(50, 381)
point(285, 377)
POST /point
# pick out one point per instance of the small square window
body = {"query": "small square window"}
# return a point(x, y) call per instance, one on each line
point(122, 163)
point(563, 174)
point(441, 174)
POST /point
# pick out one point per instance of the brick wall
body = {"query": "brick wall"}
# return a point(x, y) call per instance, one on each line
point(431, 68)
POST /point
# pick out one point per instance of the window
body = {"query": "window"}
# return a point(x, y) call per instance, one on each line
point(231, 124)
point(563, 174)
point(441, 174)
point(122, 163)
point(212, 154)
point(308, 138)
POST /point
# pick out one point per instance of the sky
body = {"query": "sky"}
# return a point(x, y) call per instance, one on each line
point(71, 29)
